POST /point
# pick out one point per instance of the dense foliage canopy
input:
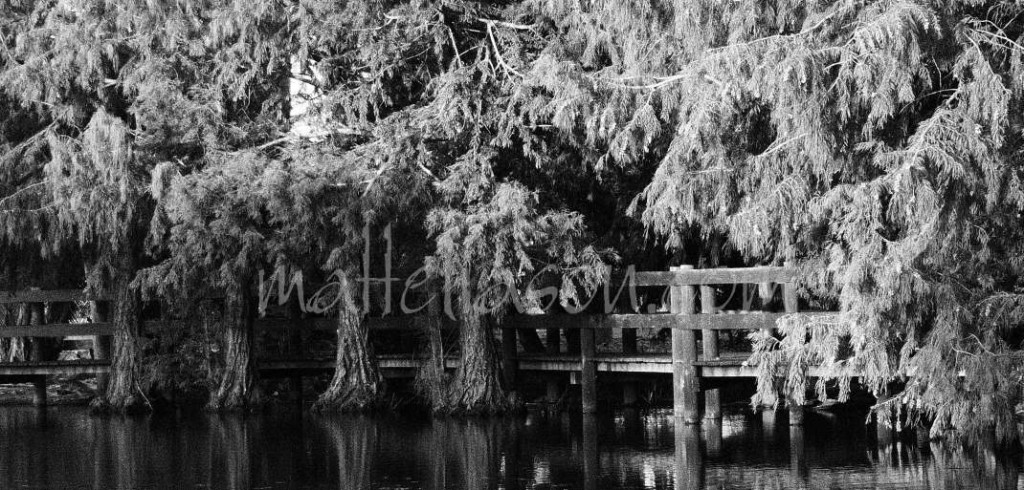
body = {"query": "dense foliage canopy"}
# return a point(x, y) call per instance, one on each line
point(876, 143)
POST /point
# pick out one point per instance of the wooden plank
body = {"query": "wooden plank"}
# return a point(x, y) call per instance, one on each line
point(744, 321)
point(330, 324)
point(66, 368)
point(707, 277)
point(41, 296)
point(741, 321)
point(57, 330)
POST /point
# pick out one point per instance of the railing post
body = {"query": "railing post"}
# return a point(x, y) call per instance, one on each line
point(712, 400)
point(37, 348)
point(588, 369)
point(789, 301)
point(629, 387)
point(684, 354)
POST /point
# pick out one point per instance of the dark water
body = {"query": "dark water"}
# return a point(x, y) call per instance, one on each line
point(65, 448)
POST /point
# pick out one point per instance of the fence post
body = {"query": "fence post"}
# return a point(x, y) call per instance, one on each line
point(38, 351)
point(588, 368)
point(789, 301)
point(712, 400)
point(684, 354)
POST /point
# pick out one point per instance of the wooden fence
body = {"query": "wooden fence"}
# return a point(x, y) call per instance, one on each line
point(688, 363)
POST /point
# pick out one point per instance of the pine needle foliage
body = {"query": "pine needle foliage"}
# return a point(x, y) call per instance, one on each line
point(878, 143)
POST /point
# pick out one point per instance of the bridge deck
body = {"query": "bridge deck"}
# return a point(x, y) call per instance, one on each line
point(727, 365)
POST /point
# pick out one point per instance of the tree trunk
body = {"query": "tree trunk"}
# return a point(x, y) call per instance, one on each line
point(124, 391)
point(477, 388)
point(239, 385)
point(357, 384)
point(431, 380)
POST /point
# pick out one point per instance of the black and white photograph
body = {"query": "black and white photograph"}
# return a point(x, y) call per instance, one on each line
point(511, 245)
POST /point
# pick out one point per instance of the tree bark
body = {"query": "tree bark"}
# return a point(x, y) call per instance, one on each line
point(239, 385)
point(124, 392)
point(477, 388)
point(357, 384)
point(431, 380)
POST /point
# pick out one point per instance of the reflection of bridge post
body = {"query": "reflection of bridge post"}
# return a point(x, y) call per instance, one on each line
point(689, 461)
point(511, 476)
point(591, 456)
point(768, 418)
point(713, 437)
point(797, 458)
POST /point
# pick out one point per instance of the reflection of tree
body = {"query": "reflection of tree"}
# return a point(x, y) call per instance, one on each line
point(438, 442)
point(799, 472)
point(476, 446)
point(236, 436)
point(127, 447)
point(953, 466)
point(591, 455)
point(511, 455)
point(355, 440)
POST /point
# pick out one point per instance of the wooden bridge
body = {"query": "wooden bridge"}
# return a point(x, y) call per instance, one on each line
point(693, 361)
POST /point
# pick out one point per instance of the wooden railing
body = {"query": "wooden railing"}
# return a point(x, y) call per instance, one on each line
point(685, 318)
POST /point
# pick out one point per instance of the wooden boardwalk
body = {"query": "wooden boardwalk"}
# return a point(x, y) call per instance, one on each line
point(688, 362)
point(729, 366)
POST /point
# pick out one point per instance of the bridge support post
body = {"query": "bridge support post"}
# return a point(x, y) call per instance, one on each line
point(712, 400)
point(629, 341)
point(588, 369)
point(554, 391)
point(793, 401)
point(629, 393)
point(685, 383)
point(295, 383)
point(39, 391)
point(552, 339)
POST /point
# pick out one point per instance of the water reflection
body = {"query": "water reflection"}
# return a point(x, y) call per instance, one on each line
point(66, 448)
